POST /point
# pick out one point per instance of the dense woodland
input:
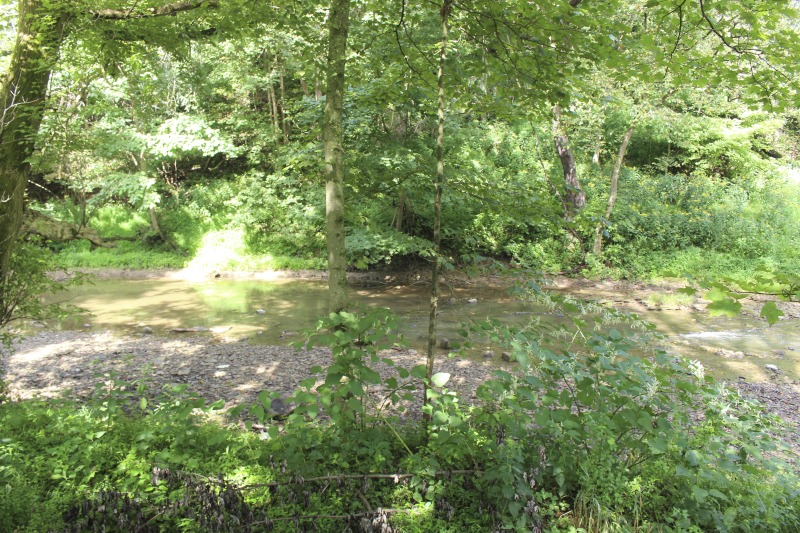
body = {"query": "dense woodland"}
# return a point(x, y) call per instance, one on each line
point(634, 139)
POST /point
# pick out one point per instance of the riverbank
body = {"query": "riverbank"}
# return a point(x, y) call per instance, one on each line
point(77, 365)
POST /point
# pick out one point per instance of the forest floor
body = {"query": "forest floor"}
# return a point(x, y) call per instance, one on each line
point(79, 364)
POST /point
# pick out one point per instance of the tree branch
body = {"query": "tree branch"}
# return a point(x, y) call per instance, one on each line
point(160, 11)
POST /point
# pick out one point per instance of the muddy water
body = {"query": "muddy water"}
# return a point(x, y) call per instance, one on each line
point(277, 312)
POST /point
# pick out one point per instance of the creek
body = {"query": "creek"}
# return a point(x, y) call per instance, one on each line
point(278, 312)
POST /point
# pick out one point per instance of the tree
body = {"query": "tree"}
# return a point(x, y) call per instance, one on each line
point(338, 24)
point(22, 96)
point(41, 29)
point(447, 5)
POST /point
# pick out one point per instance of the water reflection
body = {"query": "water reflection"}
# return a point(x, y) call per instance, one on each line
point(277, 312)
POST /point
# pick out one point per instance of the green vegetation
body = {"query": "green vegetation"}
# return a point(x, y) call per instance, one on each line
point(633, 139)
point(625, 438)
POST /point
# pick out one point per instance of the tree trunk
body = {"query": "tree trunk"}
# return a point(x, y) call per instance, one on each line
point(23, 92)
point(400, 211)
point(612, 195)
point(437, 209)
point(56, 230)
point(332, 135)
point(576, 198)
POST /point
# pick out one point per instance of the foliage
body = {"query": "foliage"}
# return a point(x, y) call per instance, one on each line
point(23, 287)
point(640, 438)
point(593, 429)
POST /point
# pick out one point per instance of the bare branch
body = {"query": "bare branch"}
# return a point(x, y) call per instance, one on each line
point(160, 11)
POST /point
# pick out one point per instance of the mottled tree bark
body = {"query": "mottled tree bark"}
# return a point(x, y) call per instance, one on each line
point(332, 136)
point(612, 195)
point(576, 198)
point(437, 206)
point(23, 92)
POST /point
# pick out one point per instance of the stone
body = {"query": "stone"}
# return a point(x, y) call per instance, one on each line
point(147, 330)
point(472, 301)
point(260, 311)
point(183, 372)
point(488, 354)
point(772, 368)
point(505, 356)
point(444, 343)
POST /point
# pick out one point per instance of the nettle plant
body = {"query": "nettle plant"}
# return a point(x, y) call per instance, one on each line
point(356, 341)
point(598, 414)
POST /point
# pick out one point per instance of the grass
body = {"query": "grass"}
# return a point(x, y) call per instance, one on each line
point(669, 300)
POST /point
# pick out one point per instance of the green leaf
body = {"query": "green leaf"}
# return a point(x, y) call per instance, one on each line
point(771, 312)
point(658, 445)
point(419, 372)
point(142, 403)
point(727, 306)
point(440, 379)
point(699, 494)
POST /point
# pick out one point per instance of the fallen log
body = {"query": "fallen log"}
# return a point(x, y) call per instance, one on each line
point(36, 223)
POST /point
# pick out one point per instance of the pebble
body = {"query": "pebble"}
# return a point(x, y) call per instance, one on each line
point(772, 368)
point(472, 301)
point(260, 311)
point(78, 360)
point(147, 330)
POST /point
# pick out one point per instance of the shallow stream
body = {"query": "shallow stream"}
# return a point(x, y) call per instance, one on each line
point(277, 312)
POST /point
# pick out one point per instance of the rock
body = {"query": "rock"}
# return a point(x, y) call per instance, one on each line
point(444, 343)
point(505, 356)
point(280, 408)
point(183, 371)
point(772, 368)
point(472, 301)
point(260, 311)
point(780, 353)
point(488, 354)
point(87, 325)
point(147, 330)
point(223, 366)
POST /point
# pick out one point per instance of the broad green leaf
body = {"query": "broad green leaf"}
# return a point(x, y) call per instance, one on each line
point(727, 306)
point(440, 379)
point(771, 312)
point(658, 445)
point(419, 372)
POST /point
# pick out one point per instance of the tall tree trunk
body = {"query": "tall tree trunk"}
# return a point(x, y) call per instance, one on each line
point(22, 94)
point(437, 208)
point(576, 198)
point(612, 195)
point(332, 136)
point(282, 104)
